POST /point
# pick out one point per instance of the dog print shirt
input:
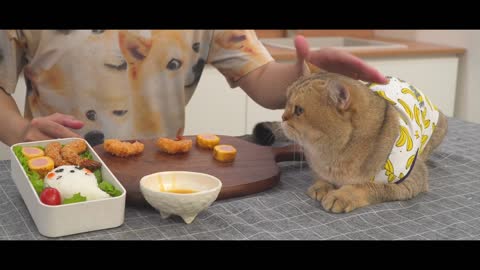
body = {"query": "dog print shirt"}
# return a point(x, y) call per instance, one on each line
point(418, 118)
point(125, 84)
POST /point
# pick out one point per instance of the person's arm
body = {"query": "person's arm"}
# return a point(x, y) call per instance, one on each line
point(13, 122)
point(266, 85)
point(16, 129)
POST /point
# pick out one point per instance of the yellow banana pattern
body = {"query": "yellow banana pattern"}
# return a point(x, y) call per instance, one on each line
point(426, 122)
point(404, 137)
point(406, 108)
point(389, 171)
point(417, 113)
point(409, 91)
point(383, 95)
point(424, 141)
point(429, 103)
point(410, 162)
point(419, 118)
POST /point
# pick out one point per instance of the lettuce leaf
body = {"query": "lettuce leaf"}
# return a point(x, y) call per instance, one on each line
point(110, 189)
point(98, 175)
point(87, 155)
point(33, 176)
point(74, 199)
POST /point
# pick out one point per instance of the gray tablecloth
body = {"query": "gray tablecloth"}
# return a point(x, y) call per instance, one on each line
point(450, 210)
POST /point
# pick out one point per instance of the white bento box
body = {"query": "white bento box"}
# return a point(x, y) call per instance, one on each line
point(68, 219)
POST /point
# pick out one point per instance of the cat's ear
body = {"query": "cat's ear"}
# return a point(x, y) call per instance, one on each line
point(306, 69)
point(309, 68)
point(313, 69)
point(340, 95)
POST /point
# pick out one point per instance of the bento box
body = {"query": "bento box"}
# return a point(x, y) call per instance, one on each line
point(73, 217)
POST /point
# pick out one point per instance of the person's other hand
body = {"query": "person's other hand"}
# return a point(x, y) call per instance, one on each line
point(54, 126)
point(337, 61)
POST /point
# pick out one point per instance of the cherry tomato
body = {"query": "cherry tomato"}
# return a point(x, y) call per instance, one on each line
point(50, 196)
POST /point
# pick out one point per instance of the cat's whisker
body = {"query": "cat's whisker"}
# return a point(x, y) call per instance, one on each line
point(270, 138)
point(295, 138)
point(300, 159)
point(276, 131)
point(296, 148)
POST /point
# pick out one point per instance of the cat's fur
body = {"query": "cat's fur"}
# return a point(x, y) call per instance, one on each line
point(347, 133)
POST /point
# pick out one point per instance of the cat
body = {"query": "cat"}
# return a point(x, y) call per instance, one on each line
point(365, 143)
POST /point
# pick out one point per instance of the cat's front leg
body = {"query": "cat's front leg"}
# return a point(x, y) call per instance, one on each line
point(346, 199)
point(319, 189)
point(350, 197)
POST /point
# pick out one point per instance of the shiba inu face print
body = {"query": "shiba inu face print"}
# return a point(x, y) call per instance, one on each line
point(127, 84)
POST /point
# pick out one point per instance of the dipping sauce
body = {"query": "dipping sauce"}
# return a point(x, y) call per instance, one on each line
point(173, 188)
point(182, 191)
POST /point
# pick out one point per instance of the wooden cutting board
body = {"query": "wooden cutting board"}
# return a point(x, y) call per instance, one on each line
point(254, 169)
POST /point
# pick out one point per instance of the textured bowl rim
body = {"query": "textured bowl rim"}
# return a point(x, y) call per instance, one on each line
point(217, 187)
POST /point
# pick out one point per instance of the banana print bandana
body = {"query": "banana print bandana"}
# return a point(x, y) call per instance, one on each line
point(418, 119)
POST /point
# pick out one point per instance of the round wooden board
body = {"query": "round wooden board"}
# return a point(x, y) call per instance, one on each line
point(254, 169)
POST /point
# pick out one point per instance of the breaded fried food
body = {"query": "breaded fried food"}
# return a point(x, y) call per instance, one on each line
point(207, 141)
point(123, 149)
point(32, 152)
point(70, 155)
point(170, 146)
point(41, 165)
point(224, 153)
point(52, 150)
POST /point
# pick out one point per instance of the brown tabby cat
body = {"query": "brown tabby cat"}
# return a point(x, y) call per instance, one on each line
point(348, 132)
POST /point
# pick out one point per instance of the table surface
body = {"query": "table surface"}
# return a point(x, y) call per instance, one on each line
point(450, 210)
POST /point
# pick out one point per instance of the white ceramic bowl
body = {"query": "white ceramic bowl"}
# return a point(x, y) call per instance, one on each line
point(158, 188)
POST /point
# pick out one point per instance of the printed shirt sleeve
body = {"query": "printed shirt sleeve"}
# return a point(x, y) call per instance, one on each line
point(236, 53)
point(11, 59)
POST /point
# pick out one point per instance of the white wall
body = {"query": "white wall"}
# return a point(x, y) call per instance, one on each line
point(468, 86)
point(400, 34)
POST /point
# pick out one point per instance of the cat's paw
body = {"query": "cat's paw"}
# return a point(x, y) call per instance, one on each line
point(345, 199)
point(318, 190)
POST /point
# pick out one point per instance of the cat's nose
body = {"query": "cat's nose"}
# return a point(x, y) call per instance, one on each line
point(285, 116)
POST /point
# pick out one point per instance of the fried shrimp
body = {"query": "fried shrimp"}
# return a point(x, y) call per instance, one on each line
point(179, 145)
point(174, 146)
point(123, 149)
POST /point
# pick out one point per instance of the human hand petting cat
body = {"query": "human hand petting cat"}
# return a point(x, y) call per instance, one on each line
point(337, 61)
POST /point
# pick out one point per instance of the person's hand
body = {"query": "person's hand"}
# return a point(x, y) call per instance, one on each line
point(337, 61)
point(54, 126)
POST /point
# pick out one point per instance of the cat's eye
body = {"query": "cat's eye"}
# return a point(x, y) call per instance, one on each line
point(298, 110)
point(174, 64)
